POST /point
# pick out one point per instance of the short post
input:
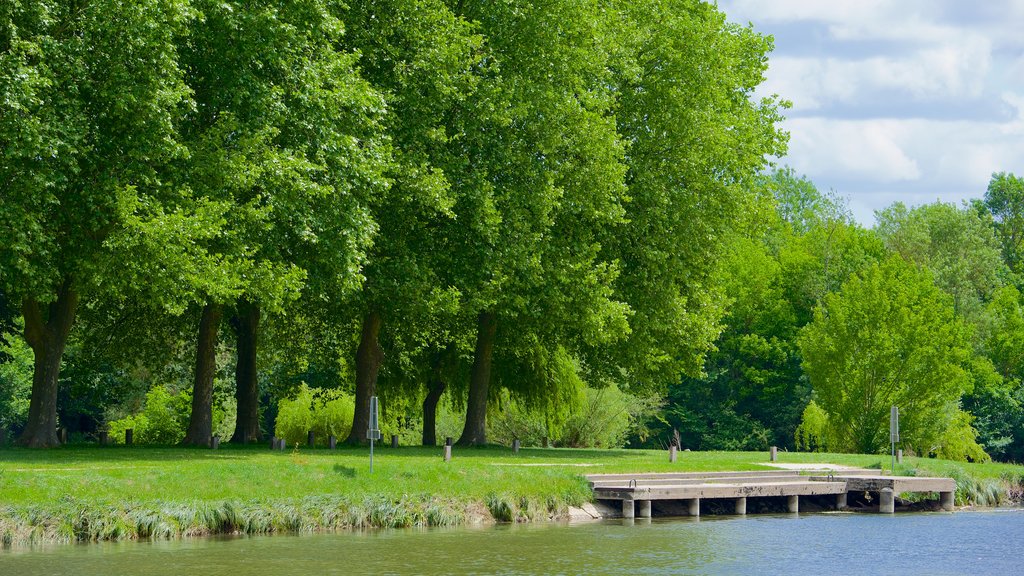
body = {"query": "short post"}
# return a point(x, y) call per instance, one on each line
point(332, 442)
point(280, 444)
point(773, 453)
point(448, 449)
point(63, 435)
point(215, 442)
point(946, 500)
point(899, 456)
point(672, 450)
point(546, 444)
point(273, 442)
point(394, 440)
point(693, 507)
point(741, 506)
point(644, 509)
point(515, 446)
point(3, 436)
point(310, 439)
point(886, 501)
point(793, 504)
point(128, 433)
point(104, 438)
point(628, 510)
point(841, 501)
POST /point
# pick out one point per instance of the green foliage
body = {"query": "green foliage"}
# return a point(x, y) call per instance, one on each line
point(15, 382)
point(956, 244)
point(607, 419)
point(327, 412)
point(960, 441)
point(1004, 201)
point(890, 337)
point(162, 420)
point(812, 433)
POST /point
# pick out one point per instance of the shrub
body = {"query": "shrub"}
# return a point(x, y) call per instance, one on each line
point(811, 434)
point(325, 412)
point(164, 418)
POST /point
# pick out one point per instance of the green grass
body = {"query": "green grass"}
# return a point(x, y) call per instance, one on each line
point(90, 493)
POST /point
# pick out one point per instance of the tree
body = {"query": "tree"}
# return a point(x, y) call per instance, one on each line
point(285, 136)
point(889, 337)
point(696, 138)
point(540, 179)
point(955, 244)
point(1004, 200)
point(422, 57)
point(88, 123)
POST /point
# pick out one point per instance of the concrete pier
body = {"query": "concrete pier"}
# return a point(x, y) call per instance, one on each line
point(643, 509)
point(693, 507)
point(886, 501)
point(946, 500)
point(688, 488)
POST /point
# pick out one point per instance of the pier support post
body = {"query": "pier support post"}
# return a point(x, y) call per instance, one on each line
point(628, 510)
point(793, 503)
point(841, 501)
point(741, 506)
point(644, 509)
point(886, 501)
point(693, 507)
point(946, 499)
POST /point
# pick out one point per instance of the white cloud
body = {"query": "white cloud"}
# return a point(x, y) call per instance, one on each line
point(912, 100)
point(844, 149)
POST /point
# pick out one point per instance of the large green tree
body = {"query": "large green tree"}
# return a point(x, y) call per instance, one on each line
point(88, 124)
point(423, 58)
point(286, 135)
point(696, 139)
point(539, 181)
point(889, 337)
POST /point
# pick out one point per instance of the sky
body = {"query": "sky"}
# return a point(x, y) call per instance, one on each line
point(896, 100)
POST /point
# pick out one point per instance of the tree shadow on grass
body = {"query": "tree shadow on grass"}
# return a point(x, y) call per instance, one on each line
point(346, 471)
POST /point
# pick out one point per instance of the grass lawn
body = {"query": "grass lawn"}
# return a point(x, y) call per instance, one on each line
point(80, 492)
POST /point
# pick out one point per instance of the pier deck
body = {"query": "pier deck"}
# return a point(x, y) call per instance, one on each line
point(637, 491)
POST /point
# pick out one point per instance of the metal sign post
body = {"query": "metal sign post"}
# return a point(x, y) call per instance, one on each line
point(894, 433)
point(374, 431)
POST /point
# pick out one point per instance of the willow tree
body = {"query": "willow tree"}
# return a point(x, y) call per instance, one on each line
point(88, 125)
point(285, 139)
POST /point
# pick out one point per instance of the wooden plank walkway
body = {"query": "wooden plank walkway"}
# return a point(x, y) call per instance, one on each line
point(637, 491)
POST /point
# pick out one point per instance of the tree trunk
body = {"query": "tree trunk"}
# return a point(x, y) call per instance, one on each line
point(368, 360)
point(475, 432)
point(47, 338)
point(247, 392)
point(436, 389)
point(200, 422)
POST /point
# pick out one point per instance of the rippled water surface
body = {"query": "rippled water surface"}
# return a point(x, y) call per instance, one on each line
point(975, 543)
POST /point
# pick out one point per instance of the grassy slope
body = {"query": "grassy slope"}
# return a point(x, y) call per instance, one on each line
point(87, 493)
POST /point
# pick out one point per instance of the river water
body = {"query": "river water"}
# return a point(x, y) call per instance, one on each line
point(975, 543)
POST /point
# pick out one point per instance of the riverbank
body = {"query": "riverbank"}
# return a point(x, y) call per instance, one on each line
point(80, 494)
